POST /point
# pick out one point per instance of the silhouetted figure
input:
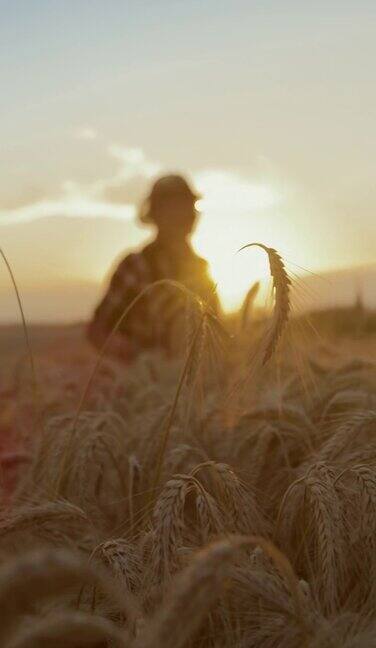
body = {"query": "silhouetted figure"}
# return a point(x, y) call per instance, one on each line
point(170, 207)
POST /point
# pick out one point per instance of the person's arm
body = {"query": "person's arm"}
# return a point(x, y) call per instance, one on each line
point(121, 291)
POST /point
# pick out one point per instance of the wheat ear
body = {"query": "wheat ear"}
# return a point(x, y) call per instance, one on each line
point(198, 587)
point(29, 517)
point(39, 575)
point(281, 286)
point(64, 468)
point(68, 630)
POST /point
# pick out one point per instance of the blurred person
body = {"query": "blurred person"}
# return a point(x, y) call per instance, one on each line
point(151, 323)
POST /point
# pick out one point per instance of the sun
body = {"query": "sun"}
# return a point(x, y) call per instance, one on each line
point(230, 218)
point(233, 272)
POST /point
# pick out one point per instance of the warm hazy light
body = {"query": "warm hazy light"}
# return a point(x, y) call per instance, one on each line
point(233, 272)
point(230, 219)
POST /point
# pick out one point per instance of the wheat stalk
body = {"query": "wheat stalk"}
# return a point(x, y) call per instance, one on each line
point(37, 407)
point(247, 305)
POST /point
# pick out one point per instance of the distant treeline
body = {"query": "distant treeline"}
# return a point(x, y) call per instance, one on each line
point(355, 320)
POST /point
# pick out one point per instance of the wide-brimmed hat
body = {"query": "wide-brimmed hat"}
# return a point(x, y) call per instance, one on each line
point(166, 186)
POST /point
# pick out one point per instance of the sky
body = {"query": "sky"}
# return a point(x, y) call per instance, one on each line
point(268, 106)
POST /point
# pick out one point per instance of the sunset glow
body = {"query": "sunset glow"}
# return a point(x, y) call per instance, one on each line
point(232, 212)
point(267, 109)
point(234, 273)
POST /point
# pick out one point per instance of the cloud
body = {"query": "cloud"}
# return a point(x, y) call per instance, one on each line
point(29, 194)
point(133, 162)
point(66, 206)
point(118, 194)
point(228, 192)
point(114, 196)
point(132, 179)
point(86, 133)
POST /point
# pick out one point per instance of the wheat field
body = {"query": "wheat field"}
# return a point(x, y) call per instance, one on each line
point(224, 498)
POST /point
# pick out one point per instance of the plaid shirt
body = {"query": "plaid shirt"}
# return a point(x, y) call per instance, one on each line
point(153, 321)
